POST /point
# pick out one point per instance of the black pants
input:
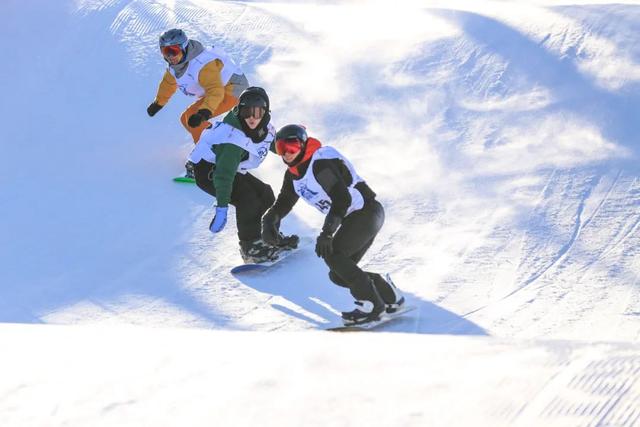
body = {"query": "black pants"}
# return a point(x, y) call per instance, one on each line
point(350, 243)
point(250, 196)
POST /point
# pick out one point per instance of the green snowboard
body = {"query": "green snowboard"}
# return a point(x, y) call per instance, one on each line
point(184, 179)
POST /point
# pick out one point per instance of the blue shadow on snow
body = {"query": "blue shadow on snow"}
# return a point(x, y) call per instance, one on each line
point(302, 279)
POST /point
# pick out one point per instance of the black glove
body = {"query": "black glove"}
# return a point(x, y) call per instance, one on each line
point(324, 245)
point(196, 119)
point(153, 108)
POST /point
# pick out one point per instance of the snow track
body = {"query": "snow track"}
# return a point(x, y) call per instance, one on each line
point(501, 138)
point(512, 210)
point(130, 375)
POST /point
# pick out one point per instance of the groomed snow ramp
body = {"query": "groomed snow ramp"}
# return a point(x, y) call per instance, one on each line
point(132, 376)
point(500, 136)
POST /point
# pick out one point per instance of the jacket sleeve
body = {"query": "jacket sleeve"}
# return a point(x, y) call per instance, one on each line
point(287, 197)
point(211, 80)
point(166, 89)
point(228, 157)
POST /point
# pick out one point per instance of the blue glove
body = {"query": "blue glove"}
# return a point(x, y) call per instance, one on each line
point(220, 220)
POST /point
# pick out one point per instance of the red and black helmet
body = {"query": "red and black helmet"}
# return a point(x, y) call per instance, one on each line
point(292, 139)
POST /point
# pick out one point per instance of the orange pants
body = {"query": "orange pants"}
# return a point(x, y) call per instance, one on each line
point(228, 102)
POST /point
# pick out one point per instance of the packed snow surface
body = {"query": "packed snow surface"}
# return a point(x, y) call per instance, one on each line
point(501, 138)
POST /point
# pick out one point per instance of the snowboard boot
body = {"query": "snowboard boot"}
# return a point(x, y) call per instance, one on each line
point(257, 251)
point(391, 295)
point(399, 297)
point(288, 242)
point(189, 170)
point(366, 311)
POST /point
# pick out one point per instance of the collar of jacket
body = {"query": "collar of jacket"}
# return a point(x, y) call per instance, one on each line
point(232, 119)
point(312, 146)
point(194, 48)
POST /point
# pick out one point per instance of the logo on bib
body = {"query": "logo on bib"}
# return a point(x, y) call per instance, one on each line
point(183, 89)
point(306, 193)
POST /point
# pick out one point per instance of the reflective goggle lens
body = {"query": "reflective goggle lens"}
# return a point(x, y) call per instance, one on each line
point(173, 50)
point(255, 112)
point(288, 146)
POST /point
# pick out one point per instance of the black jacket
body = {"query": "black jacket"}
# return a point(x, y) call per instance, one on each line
point(334, 178)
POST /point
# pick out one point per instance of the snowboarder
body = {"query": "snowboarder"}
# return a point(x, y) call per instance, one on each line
point(203, 72)
point(222, 159)
point(325, 179)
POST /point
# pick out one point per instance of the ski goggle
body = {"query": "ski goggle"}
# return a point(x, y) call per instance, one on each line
point(169, 51)
point(255, 112)
point(288, 146)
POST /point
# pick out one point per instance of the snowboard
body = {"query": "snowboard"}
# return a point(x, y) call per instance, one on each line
point(184, 176)
point(184, 179)
point(384, 319)
point(262, 266)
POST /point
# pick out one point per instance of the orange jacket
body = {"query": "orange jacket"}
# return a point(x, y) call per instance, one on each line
point(209, 78)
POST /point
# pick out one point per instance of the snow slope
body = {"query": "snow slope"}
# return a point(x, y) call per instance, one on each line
point(501, 138)
point(194, 381)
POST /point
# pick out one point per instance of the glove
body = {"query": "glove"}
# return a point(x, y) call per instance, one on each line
point(324, 245)
point(219, 220)
point(196, 119)
point(153, 108)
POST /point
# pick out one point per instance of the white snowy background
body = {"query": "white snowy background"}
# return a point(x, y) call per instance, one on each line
point(501, 137)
